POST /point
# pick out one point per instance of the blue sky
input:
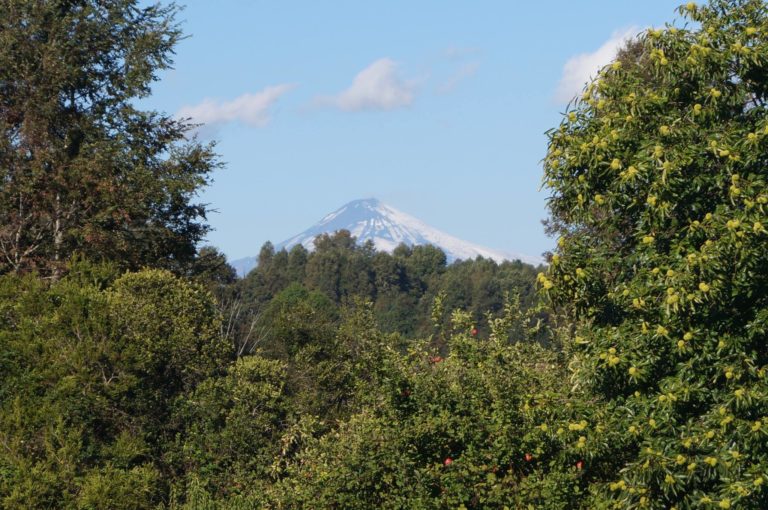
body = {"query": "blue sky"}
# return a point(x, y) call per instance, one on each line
point(437, 108)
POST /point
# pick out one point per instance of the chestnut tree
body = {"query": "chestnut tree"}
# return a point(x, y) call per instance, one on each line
point(658, 190)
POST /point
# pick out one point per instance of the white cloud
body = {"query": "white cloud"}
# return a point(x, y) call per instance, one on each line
point(580, 68)
point(250, 109)
point(377, 87)
point(464, 72)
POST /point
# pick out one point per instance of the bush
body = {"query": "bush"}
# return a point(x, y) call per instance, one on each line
point(93, 372)
point(232, 426)
point(462, 431)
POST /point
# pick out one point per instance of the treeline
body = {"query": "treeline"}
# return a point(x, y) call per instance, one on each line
point(402, 286)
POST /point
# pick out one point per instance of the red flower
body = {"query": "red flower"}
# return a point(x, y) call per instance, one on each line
point(448, 461)
point(474, 331)
point(528, 457)
point(435, 359)
point(580, 465)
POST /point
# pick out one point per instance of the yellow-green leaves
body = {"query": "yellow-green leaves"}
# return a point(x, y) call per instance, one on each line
point(671, 271)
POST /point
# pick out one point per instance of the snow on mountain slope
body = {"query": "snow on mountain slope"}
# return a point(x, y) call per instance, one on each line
point(370, 219)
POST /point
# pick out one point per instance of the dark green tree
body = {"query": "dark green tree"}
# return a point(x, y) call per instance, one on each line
point(211, 268)
point(297, 263)
point(83, 169)
point(266, 254)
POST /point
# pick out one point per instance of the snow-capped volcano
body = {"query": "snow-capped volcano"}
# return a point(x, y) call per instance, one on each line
point(370, 219)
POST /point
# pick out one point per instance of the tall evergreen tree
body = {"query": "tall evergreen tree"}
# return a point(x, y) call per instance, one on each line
point(82, 168)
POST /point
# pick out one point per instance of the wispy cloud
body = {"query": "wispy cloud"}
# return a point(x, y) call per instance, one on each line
point(580, 68)
point(462, 73)
point(250, 109)
point(377, 87)
point(460, 52)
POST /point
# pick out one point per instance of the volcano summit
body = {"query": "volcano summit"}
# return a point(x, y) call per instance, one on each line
point(371, 219)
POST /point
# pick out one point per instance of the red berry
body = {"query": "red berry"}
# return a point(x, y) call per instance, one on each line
point(580, 465)
point(528, 457)
point(474, 331)
point(448, 461)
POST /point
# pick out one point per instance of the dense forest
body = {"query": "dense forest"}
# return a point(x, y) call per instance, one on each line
point(402, 286)
point(136, 370)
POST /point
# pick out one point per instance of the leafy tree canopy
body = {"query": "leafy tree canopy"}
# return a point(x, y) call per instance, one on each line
point(83, 169)
point(658, 180)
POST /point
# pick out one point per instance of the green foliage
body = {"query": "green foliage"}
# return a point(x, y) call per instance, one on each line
point(210, 267)
point(83, 170)
point(245, 430)
point(327, 356)
point(402, 286)
point(120, 489)
point(658, 181)
point(92, 375)
point(297, 318)
point(232, 426)
point(133, 391)
point(441, 433)
point(169, 331)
